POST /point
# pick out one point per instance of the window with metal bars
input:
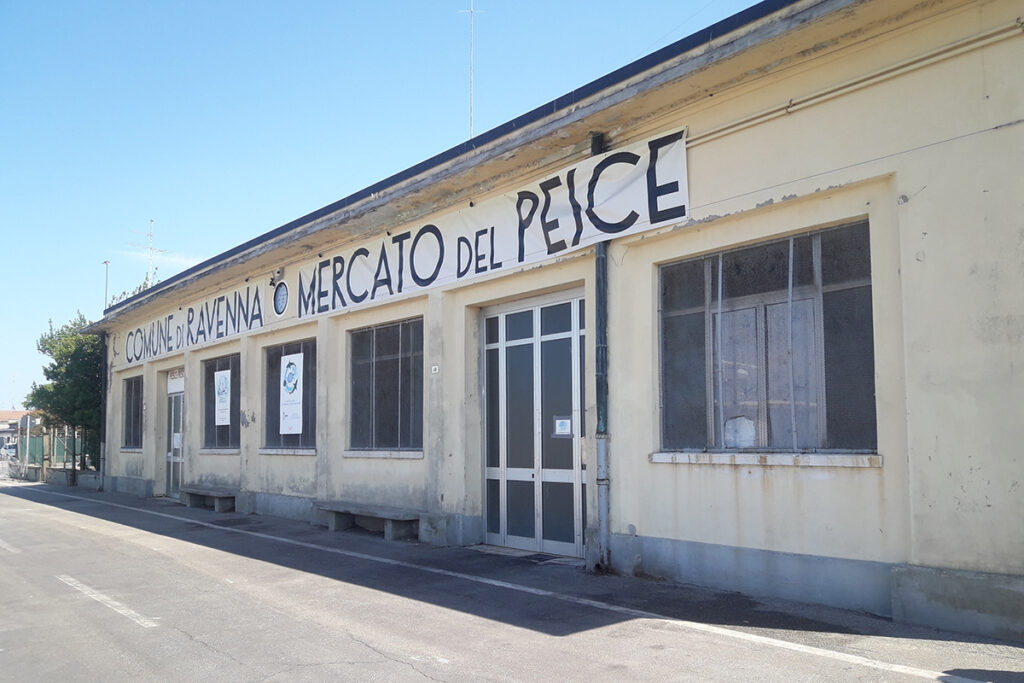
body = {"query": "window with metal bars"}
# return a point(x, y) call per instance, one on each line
point(221, 402)
point(298, 430)
point(770, 347)
point(387, 387)
point(132, 413)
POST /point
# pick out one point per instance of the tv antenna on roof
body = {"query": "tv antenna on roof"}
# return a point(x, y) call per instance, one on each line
point(472, 13)
point(150, 250)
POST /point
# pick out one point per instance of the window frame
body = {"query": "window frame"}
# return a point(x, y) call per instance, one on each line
point(710, 307)
point(233, 362)
point(306, 440)
point(358, 447)
point(132, 413)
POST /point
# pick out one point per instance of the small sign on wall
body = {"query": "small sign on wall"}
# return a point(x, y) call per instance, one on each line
point(222, 392)
point(176, 381)
point(291, 394)
point(563, 427)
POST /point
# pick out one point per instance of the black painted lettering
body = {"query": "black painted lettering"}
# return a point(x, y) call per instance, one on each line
point(338, 269)
point(577, 209)
point(307, 295)
point(494, 264)
point(382, 278)
point(546, 225)
point(321, 286)
point(597, 221)
point(400, 241)
point(231, 313)
point(356, 298)
point(478, 259)
point(462, 267)
point(654, 190)
point(427, 229)
point(524, 221)
point(242, 304)
point(257, 309)
point(218, 314)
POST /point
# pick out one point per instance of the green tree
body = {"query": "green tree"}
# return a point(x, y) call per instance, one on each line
point(73, 394)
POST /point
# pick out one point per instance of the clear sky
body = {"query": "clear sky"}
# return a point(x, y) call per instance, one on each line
point(223, 119)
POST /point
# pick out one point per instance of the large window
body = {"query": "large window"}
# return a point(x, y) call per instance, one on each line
point(770, 347)
point(387, 387)
point(291, 395)
point(221, 402)
point(132, 413)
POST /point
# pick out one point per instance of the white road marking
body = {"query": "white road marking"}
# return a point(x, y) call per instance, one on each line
point(108, 601)
point(8, 547)
point(596, 604)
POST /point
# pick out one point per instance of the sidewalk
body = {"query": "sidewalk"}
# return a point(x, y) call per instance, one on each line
point(842, 635)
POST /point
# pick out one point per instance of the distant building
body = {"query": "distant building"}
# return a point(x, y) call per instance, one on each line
point(9, 424)
point(795, 238)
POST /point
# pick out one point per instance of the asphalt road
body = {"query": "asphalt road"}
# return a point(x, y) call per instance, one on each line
point(97, 587)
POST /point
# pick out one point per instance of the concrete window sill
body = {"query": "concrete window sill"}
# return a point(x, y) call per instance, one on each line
point(745, 459)
point(395, 455)
point(287, 451)
point(219, 451)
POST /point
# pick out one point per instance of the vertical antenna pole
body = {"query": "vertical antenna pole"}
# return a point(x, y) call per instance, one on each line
point(149, 276)
point(106, 283)
point(471, 39)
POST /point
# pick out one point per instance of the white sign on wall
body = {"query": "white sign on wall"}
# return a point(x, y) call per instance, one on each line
point(291, 394)
point(222, 393)
point(176, 381)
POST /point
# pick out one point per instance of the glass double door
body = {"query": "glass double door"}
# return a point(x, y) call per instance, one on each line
point(175, 459)
point(534, 492)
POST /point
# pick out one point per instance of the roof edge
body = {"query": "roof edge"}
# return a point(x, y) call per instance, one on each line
point(673, 50)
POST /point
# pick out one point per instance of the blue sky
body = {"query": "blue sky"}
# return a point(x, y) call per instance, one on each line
point(223, 119)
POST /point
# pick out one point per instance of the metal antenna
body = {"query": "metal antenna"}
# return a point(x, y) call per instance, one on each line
point(149, 248)
point(472, 14)
point(106, 282)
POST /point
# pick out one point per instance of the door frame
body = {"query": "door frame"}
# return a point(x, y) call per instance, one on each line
point(577, 475)
point(175, 382)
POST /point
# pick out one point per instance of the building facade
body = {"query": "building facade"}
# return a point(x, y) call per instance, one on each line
point(747, 313)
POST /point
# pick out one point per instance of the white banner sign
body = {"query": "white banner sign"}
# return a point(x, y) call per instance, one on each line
point(222, 390)
point(627, 191)
point(624, 192)
point(216, 318)
point(291, 394)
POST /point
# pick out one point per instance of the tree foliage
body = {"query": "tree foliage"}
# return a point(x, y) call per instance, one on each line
point(143, 286)
point(73, 394)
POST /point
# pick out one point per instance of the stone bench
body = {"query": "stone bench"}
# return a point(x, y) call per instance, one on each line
point(399, 523)
point(196, 496)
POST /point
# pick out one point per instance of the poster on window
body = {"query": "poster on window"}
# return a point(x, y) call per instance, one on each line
point(222, 390)
point(291, 394)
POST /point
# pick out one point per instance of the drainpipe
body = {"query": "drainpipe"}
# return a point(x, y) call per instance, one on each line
point(601, 361)
point(103, 411)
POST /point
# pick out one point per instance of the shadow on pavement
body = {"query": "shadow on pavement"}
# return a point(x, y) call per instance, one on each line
point(364, 559)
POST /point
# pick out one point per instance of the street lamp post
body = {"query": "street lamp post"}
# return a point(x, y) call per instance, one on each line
point(106, 282)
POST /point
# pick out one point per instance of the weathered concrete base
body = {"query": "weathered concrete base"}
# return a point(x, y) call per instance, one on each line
point(89, 480)
point(222, 501)
point(62, 477)
point(440, 529)
point(143, 488)
point(276, 504)
point(849, 584)
point(974, 602)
